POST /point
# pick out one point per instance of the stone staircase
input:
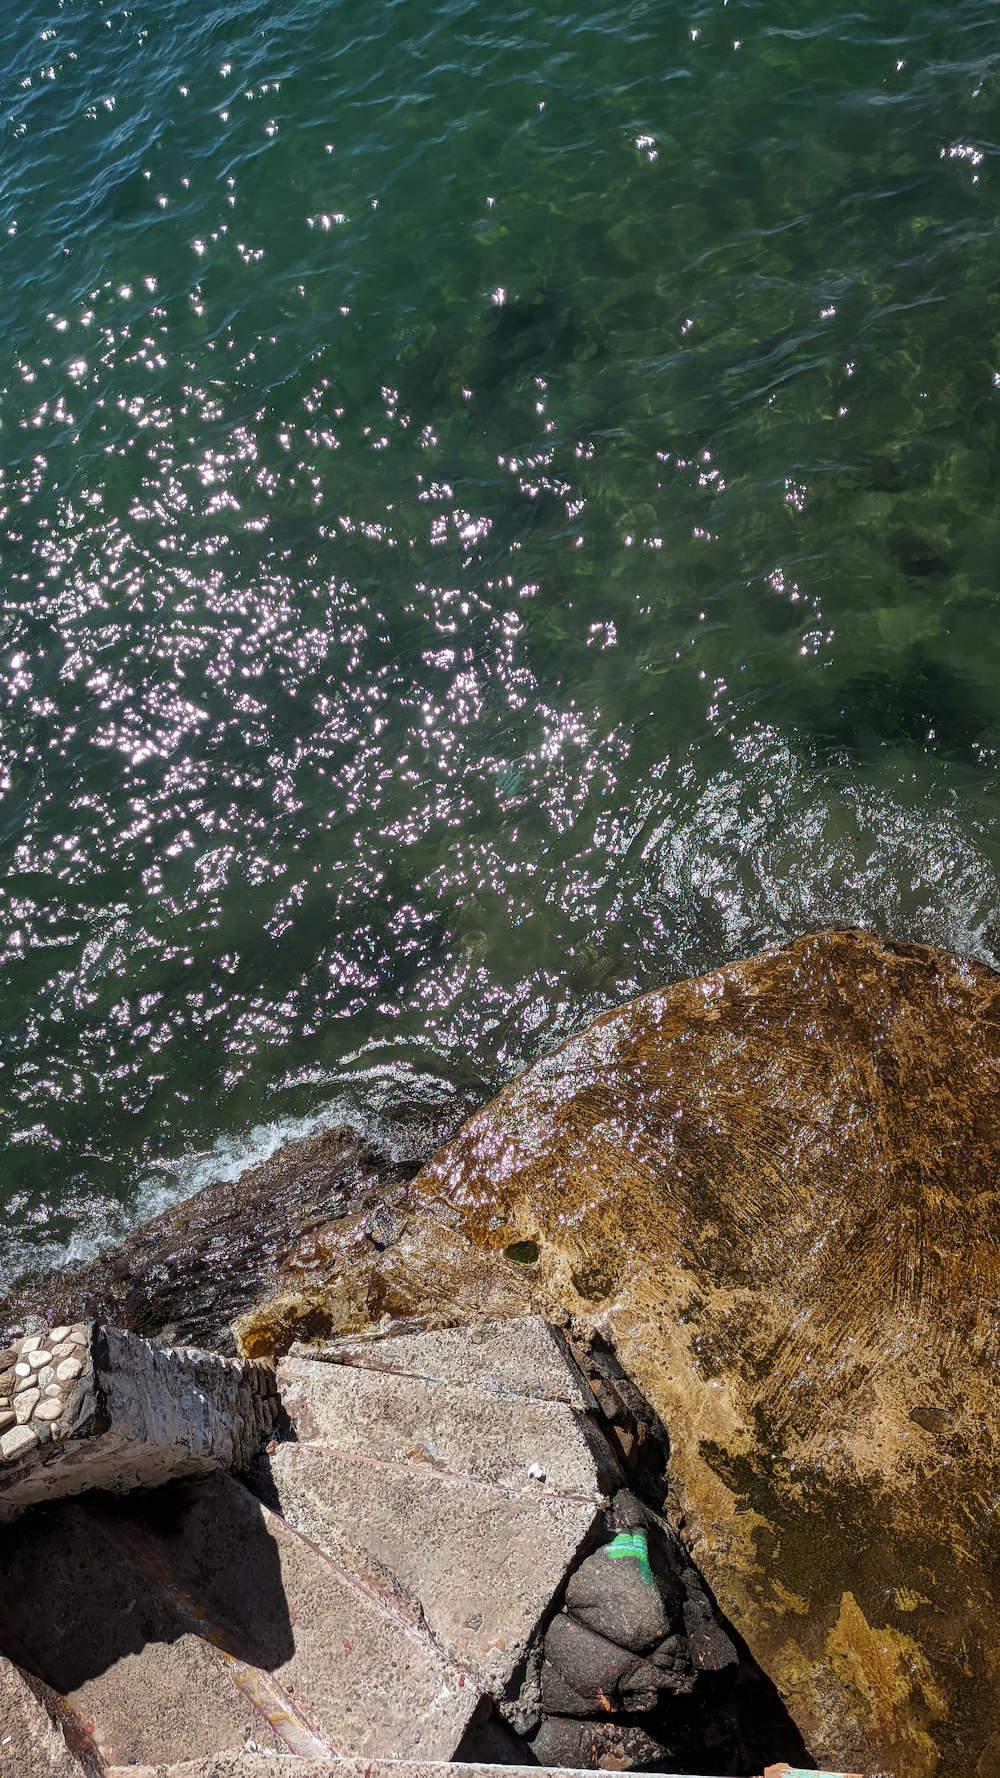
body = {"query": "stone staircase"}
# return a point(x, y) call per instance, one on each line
point(413, 1531)
point(352, 1608)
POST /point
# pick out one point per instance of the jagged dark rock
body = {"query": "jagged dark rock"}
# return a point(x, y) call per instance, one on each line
point(612, 1599)
point(189, 1272)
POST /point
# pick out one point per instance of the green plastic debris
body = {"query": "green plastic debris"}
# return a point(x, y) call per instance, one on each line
point(631, 1545)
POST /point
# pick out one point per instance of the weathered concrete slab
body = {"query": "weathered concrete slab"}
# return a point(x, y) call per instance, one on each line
point(462, 1459)
point(105, 1639)
point(31, 1745)
point(521, 1357)
point(484, 1562)
point(90, 1407)
point(380, 1417)
point(193, 1621)
point(359, 1661)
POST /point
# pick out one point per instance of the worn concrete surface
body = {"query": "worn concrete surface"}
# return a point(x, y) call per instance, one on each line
point(460, 1458)
point(192, 1620)
point(76, 1610)
point(521, 1357)
point(31, 1746)
point(484, 1562)
point(385, 1418)
point(358, 1657)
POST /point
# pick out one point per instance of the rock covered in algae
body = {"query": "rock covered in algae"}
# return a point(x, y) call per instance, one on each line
point(777, 1188)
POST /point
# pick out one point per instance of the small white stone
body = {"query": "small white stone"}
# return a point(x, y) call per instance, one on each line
point(22, 1370)
point(39, 1358)
point(79, 1337)
point(70, 1367)
point(25, 1405)
point(18, 1440)
point(46, 1375)
point(53, 1392)
point(63, 1348)
point(31, 1344)
point(49, 1410)
point(23, 1383)
point(57, 1334)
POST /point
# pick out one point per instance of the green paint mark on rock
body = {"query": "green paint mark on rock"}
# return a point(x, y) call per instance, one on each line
point(631, 1544)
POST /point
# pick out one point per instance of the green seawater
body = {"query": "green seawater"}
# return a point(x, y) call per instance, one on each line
point(499, 508)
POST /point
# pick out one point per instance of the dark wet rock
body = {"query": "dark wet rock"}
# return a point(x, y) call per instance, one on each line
point(671, 1656)
point(588, 1666)
point(191, 1271)
point(563, 1741)
point(612, 1598)
point(709, 1648)
point(559, 1698)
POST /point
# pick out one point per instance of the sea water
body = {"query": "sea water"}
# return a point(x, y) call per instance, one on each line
point(498, 509)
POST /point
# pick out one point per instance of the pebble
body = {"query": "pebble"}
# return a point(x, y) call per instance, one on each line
point(23, 1383)
point(7, 1419)
point(53, 1392)
point(47, 1374)
point(57, 1334)
point(39, 1358)
point(80, 1338)
point(63, 1348)
point(31, 1344)
point(18, 1440)
point(48, 1410)
point(22, 1369)
point(70, 1367)
point(25, 1405)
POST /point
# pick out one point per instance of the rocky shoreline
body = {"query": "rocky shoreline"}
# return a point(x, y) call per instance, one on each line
point(421, 1470)
point(773, 1194)
point(188, 1273)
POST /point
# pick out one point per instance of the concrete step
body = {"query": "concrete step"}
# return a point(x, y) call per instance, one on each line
point(76, 1612)
point(524, 1445)
point(525, 1357)
point(32, 1744)
point(476, 1497)
point(193, 1621)
point(337, 1636)
point(483, 1561)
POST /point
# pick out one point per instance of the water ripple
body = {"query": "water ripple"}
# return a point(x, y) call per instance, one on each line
point(495, 513)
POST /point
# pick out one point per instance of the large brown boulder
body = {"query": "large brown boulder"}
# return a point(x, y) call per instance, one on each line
point(778, 1188)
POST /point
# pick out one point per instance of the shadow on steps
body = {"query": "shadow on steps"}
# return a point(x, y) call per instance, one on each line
point(127, 1652)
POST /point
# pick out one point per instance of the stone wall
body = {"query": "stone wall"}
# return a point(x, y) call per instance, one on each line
point(88, 1406)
